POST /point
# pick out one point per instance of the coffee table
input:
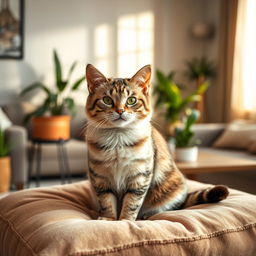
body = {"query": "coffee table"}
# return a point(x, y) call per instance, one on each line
point(212, 161)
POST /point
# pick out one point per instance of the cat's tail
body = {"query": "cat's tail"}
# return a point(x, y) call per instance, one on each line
point(209, 195)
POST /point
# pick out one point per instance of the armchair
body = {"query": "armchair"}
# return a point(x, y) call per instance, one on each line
point(17, 138)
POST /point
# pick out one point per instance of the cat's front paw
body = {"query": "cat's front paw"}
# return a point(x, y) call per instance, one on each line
point(106, 218)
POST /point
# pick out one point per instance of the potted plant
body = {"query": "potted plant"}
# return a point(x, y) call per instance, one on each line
point(49, 121)
point(170, 96)
point(186, 150)
point(5, 164)
point(200, 70)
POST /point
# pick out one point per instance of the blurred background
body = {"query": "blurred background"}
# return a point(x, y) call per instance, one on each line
point(119, 37)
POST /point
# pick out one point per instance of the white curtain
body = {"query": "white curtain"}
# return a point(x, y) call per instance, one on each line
point(244, 69)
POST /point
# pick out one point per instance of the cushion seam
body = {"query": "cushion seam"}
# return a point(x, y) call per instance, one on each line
point(19, 236)
point(165, 241)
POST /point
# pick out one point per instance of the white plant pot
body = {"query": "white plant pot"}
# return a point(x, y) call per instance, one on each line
point(171, 145)
point(188, 154)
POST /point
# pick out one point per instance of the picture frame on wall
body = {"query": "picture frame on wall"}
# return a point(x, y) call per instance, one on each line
point(11, 29)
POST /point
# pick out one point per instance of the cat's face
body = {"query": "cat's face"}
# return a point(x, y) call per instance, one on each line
point(118, 102)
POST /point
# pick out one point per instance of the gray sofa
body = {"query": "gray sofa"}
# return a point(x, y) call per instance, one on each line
point(19, 136)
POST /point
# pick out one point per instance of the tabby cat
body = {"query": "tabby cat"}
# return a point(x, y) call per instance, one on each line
point(131, 170)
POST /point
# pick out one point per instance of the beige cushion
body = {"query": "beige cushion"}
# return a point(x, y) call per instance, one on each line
point(17, 111)
point(61, 220)
point(238, 135)
point(4, 121)
point(76, 153)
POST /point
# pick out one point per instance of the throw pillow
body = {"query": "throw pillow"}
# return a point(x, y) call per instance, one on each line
point(238, 135)
point(4, 120)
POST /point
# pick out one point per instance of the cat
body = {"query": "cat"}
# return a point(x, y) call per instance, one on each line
point(131, 171)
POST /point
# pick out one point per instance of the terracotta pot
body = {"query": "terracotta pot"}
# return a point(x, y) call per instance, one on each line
point(51, 127)
point(5, 173)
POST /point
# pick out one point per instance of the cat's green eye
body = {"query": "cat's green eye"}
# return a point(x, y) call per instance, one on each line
point(131, 101)
point(107, 100)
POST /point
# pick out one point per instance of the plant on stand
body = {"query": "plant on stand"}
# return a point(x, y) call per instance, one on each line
point(200, 70)
point(49, 121)
point(170, 96)
point(186, 150)
point(5, 163)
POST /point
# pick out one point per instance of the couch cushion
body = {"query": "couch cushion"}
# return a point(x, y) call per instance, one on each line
point(76, 153)
point(61, 220)
point(4, 121)
point(17, 111)
point(238, 135)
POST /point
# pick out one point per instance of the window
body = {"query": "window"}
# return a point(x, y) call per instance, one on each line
point(244, 75)
point(135, 42)
point(102, 48)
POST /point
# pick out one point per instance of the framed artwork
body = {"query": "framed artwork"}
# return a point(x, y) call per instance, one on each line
point(11, 29)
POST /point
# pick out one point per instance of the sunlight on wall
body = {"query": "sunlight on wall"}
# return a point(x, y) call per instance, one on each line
point(135, 42)
point(102, 48)
point(249, 57)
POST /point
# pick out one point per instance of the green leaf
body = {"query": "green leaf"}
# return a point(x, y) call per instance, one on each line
point(52, 99)
point(187, 100)
point(69, 102)
point(40, 111)
point(71, 70)
point(78, 83)
point(169, 90)
point(192, 117)
point(4, 146)
point(171, 75)
point(34, 86)
point(58, 71)
point(203, 87)
point(184, 135)
point(62, 85)
point(197, 67)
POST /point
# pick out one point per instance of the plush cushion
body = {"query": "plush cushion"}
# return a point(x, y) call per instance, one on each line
point(61, 220)
point(4, 121)
point(237, 135)
point(16, 112)
point(77, 158)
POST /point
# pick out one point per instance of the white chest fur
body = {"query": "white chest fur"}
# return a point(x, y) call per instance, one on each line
point(124, 161)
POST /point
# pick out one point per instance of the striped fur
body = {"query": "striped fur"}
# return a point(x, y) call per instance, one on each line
point(130, 167)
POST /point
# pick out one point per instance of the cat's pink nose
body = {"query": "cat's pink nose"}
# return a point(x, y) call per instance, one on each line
point(120, 111)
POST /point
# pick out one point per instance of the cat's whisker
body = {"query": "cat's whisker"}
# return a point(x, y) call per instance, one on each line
point(83, 129)
point(97, 127)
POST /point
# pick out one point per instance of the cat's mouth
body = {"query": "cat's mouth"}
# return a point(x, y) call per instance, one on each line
point(119, 118)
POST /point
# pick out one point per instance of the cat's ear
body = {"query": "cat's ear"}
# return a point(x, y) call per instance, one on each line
point(94, 78)
point(142, 78)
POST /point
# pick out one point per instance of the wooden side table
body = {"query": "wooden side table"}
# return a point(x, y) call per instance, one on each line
point(36, 151)
point(212, 161)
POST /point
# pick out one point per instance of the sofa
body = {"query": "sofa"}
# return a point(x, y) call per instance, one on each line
point(62, 220)
point(19, 135)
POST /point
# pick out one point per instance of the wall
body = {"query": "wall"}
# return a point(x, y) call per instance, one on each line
point(70, 26)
